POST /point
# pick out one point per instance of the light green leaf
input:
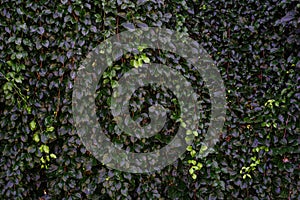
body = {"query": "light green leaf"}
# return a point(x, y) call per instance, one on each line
point(189, 148)
point(36, 137)
point(19, 79)
point(32, 125)
point(188, 132)
point(192, 162)
point(136, 63)
point(140, 62)
point(50, 129)
point(194, 176)
point(195, 133)
point(43, 160)
point(45, 148)
point(200, 165)
point(203, 148)
point(10, 63)
point(191, 170)
point(114, 84)
point(193, 153)
point(146, 59)
point(141, 48)
point(28, 109)
point(52, 155)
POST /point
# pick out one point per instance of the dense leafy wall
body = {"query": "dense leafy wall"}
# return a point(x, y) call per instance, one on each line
point(256, 48)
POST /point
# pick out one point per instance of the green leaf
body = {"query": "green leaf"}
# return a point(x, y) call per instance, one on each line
point(98, 18)
point(194, 176)
point(141, 48)
point(145, 59)
point(28, 108)
point(8, 86)
point(252, 165)
point(19, 79)
point(46, 148)
point(189, 148)
point(195, 168)
point(195, 133)
point(192, 162)
point(32, 125)
point(53, 155)
point(10, 63)
point(203, 148)
point(193, 153)
point(50, 129)
point(135, 63)
point(43, 160)
point(183, 124)
point(140, 62)
point(36, 137)
point(200, 165)
point(22, 66)
point(19, 55)
point(114, 84)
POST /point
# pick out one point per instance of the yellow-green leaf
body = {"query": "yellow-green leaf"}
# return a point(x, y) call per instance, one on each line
point(195, 133)
point(32, 125)
point(194, 176)
point(191, 170)
point(50, 129)
point(53, 155)
point(46, 148)
point(36, 137)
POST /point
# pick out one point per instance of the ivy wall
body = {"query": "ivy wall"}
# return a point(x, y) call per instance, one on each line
point(255, 46)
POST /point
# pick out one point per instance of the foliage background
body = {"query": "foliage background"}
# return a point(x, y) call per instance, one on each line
point(256, 48)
